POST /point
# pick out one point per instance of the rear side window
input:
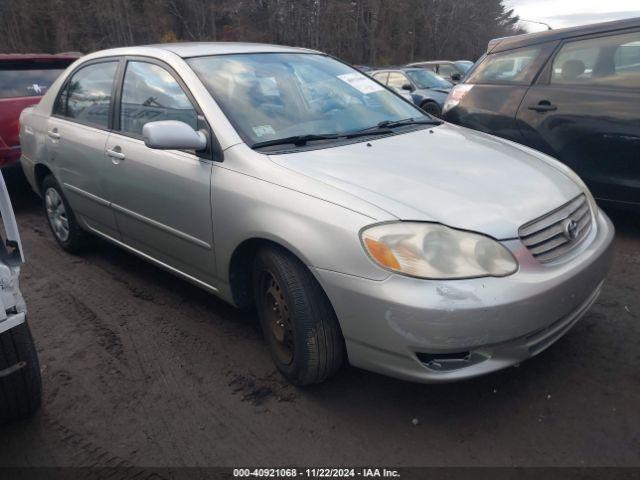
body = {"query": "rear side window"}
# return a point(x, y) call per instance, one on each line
point(150, 94)
point(510, 67)
point(612, 61)
point(86, 98)
point(397, 80)
point(27, 79)
point(381, 77)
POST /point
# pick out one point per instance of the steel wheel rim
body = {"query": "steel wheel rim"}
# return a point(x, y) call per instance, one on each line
point(57, 214)
point(277, 319)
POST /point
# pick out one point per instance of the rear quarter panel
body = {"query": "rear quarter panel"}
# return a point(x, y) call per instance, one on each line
point(33, 126)
point(490, 109)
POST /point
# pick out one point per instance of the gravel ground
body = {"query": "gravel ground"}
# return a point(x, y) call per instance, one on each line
point(141, 368)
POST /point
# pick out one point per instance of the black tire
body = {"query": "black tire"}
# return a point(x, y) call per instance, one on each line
point(77, 239)
point(20, 390)
point(431, 108)
point(311, 331)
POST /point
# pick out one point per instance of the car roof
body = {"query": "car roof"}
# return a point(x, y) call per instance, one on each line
point(431, 61)
point(393, 69)
point(13, 57)
point(200, 49)
point(518, 41)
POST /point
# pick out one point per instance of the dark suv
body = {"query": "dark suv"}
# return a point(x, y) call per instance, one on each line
point(572, 93)
point(23, 80)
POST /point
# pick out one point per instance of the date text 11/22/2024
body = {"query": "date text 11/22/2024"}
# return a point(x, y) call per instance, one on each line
point(315, 473)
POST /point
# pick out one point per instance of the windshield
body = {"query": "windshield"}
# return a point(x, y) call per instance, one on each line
point(428, 79)
point(463, 65)
point(272, 96)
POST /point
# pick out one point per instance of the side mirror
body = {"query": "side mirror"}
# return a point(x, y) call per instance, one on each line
point(173, 135)
point(407, 86)
point(456, 77)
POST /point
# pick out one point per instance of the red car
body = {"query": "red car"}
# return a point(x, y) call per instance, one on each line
point(24, 78)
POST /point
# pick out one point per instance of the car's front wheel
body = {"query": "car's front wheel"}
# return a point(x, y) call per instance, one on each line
point(298, 321)
point(60, 217)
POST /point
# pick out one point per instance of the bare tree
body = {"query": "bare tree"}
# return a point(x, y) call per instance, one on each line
point(360, 31)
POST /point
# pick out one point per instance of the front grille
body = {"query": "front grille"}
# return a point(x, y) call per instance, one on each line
point(555, 234)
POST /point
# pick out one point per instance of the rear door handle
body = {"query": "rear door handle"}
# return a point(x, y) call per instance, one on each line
point(543, 106)
point(53, 134)
point(115, 154)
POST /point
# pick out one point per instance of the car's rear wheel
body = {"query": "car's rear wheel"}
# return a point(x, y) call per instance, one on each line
point(431, 108)
point(298, 322)
point(60, 217)
point(20, 381)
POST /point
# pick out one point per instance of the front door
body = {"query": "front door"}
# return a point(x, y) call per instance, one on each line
point(584, 111)
point(161, 199)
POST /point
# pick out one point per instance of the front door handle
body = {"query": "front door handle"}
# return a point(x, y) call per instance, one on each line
point(115, 154)
point(543, 106)
point(53, 134)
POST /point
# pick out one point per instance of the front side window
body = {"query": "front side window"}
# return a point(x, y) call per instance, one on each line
point(463, 65)
point(511, 67)
point(612, 61)
point(27, 79)
point(428, 79)
point(86, 98)
point(446, 70)
point(271, 96)
point(149, 94)
point(397, 80)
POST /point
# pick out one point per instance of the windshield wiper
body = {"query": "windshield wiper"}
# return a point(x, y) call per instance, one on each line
point(382, 128)
point(297, 140)
point(408, 121)
point(385, 125)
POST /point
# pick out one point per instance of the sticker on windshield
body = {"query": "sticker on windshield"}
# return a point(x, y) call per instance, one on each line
point(263, 130)
point(361, 82)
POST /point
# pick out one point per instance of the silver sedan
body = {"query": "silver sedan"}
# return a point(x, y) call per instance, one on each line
point(360, 228)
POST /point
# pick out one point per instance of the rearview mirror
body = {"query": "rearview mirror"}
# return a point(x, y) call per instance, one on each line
point(456, 77)
point(407, 86)
point(173, 135)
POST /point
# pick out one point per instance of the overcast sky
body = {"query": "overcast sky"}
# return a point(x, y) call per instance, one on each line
point(567, 13)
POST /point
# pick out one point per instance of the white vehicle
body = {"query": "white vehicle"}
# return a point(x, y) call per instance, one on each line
point(20, 383)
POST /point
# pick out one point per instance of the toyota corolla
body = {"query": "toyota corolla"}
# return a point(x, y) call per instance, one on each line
point(359, 228)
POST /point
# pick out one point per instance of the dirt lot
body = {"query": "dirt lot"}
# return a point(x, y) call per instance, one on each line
point(142, 368)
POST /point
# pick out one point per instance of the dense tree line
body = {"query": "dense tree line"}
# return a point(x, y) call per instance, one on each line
point(374, 32)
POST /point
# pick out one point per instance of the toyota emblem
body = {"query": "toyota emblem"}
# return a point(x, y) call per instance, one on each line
point(570, 229)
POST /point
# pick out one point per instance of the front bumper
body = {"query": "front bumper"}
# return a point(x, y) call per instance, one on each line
point(436, 331)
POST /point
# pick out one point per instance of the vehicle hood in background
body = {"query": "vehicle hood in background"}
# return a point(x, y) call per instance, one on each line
point(447, 174)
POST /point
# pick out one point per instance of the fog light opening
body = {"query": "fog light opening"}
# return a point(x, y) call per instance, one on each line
point(443, 362)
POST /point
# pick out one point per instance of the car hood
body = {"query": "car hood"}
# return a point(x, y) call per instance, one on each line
point(446, 174)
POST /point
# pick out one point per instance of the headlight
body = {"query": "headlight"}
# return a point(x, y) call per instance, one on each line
point(429, 250)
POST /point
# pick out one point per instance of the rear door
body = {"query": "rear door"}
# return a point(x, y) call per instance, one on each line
point(499, 84)
point(585, 110)
point(161, 198)
point(76, 136)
